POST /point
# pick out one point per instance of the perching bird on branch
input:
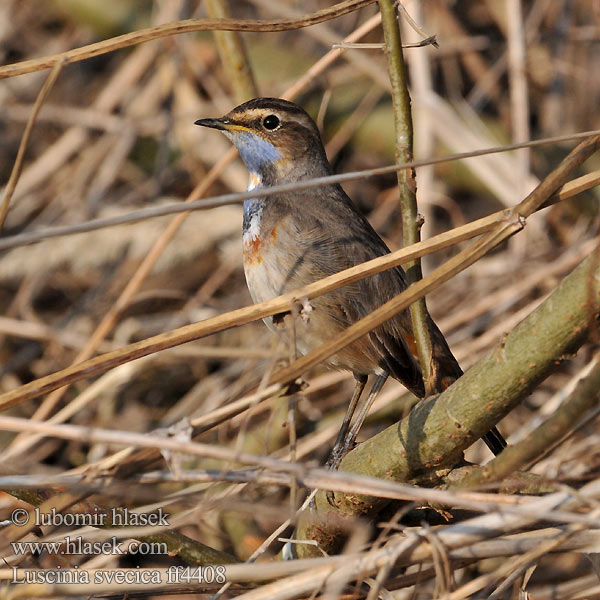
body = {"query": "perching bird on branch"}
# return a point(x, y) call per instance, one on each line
point(294, 238)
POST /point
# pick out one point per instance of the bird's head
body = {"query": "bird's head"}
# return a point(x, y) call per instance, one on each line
point(276, 139)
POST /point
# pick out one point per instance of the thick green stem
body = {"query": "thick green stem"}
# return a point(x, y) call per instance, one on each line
point(583, 398)
point(406, 180)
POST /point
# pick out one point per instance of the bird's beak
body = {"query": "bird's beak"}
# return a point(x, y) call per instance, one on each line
point(213, 123)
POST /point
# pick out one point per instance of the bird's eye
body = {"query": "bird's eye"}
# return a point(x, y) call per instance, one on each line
point(271, 122)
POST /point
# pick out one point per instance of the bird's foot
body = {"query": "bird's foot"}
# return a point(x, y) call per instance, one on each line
point(335, 458)
point(338, 453)
point(330, 498)
point(333, 463)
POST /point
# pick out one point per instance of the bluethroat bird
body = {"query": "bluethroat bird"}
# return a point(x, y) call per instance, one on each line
point(294, 238)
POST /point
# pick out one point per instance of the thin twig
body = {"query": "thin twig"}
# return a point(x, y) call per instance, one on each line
point(414, 26)
point(186, 26)
point(430, 41)
point(17, 167)
point(407, 184)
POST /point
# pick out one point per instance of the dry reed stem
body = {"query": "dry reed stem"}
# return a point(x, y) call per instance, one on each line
point(519, 96)
point(241, 316)
point(386, 311)
point(281, 473)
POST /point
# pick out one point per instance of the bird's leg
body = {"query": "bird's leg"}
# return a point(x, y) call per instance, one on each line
point(347, 439)
point(381, 379)
point(350, 437)
point(336, 454)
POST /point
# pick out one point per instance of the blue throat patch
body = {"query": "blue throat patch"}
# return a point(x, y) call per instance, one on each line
point(255, 151)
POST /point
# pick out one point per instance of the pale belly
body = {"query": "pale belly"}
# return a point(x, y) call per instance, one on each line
point(265, 279)
point(260, 285)
point(267, 269)
point(264, 273)
point(258, 248)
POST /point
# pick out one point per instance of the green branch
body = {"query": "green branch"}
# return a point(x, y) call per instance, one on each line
point(582, 399)
point(406, 181)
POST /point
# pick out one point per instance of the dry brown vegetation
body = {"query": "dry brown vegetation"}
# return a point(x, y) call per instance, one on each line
point(115, 134)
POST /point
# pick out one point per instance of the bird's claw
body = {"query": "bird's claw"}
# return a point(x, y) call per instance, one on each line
point(329, 494)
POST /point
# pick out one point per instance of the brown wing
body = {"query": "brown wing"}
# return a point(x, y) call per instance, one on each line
point(330, 236)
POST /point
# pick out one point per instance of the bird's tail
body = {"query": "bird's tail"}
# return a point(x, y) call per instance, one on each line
point(494, 441)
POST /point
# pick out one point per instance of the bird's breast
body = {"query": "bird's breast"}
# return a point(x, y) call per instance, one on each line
point(254, 240)
point(260, 252)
